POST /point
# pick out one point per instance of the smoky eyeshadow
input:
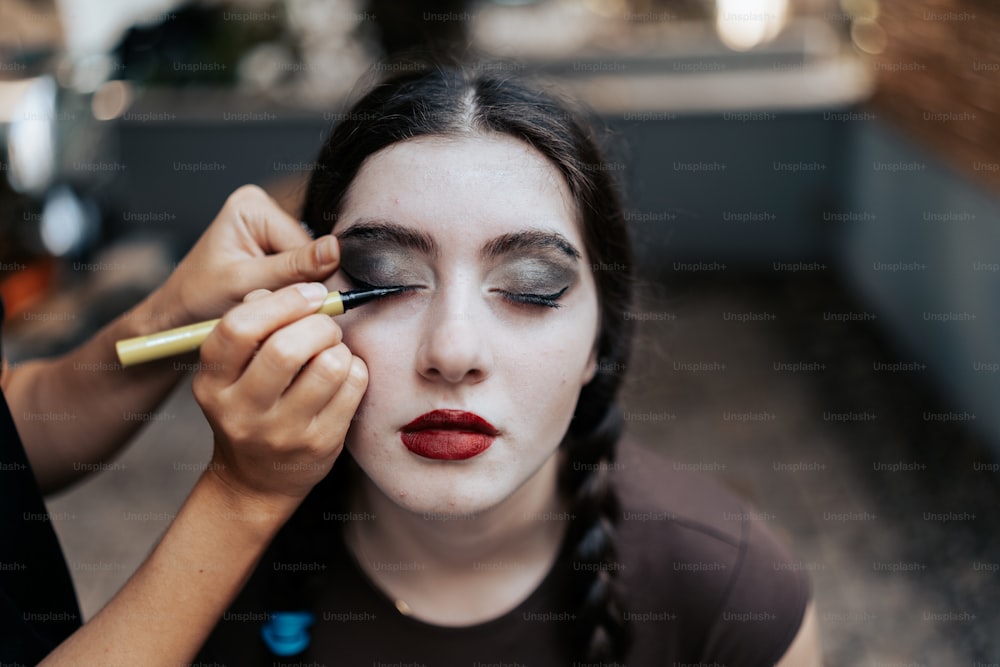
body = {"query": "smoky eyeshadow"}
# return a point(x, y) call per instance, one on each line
point(378, 264)
point(533, 275)
point(383, 263)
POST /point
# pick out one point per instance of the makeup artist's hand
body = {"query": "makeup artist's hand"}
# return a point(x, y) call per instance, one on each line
point(279, 389)
point(251, 244)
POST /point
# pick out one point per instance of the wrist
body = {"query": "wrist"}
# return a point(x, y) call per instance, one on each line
point(151, 315)
point(258, 513)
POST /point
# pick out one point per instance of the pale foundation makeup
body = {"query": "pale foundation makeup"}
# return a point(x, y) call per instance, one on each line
point(501, 320)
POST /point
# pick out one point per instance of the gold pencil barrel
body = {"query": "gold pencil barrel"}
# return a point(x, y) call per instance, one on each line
point(141, 349)
point(333, 305)
point(132, 351)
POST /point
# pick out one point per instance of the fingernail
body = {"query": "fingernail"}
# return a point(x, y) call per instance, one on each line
point(313, 292)
point(325, 252)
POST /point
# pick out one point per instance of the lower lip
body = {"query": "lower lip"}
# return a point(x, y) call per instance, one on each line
point(447, 445)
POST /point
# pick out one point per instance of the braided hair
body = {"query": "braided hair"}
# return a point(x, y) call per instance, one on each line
point(447, 97)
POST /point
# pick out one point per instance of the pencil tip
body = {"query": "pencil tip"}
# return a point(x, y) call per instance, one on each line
point(358, 297)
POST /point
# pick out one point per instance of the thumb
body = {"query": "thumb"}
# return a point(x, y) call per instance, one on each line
point(314, 261)
point(270, 227)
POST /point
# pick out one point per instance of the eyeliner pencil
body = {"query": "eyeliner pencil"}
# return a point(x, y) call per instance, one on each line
point(132, 351)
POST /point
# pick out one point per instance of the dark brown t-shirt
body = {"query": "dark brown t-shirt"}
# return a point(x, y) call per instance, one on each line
point(704, 580)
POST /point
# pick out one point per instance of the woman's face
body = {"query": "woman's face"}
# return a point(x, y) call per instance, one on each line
point(501, 323)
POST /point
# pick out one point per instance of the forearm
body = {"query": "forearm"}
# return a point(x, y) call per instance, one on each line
point(79, 409)
point(167, 609)
point(270, 451)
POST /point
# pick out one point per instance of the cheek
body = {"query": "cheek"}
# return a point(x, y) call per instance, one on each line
point(381, 328)
point(546, 372)
point(385, 359)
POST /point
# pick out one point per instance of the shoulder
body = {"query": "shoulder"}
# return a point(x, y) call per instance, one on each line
point(710, 564)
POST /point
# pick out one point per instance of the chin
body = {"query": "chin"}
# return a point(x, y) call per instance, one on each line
point(448, 499)
point(440, 490)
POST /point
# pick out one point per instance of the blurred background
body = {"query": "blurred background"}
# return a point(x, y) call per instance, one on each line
point(812, 185)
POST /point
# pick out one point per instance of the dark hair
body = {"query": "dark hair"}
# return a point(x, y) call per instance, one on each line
point(449, 98)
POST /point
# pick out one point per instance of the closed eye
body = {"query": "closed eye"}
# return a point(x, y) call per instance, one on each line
point(361, 284)
point(547, 300)
point(357, 282)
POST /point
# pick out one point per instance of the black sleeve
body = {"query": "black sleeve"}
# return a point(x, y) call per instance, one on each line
point(38, 607)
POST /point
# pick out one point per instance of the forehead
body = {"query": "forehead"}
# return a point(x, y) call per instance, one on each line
point(473, 187)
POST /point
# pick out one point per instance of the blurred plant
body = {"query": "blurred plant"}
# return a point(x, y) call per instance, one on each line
point(309, 52)
point(198, 43)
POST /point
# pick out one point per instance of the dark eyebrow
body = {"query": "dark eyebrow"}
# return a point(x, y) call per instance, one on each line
point(382, 230)
point(528, 240)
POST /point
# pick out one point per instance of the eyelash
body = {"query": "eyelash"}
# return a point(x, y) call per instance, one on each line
point(545, 300)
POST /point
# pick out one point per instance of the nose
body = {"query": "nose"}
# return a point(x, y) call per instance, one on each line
point(454, 345)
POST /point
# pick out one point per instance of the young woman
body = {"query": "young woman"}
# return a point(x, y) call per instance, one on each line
point(484, 513)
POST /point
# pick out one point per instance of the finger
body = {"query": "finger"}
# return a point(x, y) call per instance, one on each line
point(335, 418)
point(293, 255)
point(317, 384)
point(256, 294)
point(282, 357)
point(270, 226)
point(241, 331)
point(314, 261)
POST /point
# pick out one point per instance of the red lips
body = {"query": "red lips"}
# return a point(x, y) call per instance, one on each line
point(449, 435)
